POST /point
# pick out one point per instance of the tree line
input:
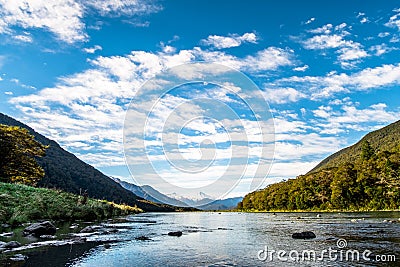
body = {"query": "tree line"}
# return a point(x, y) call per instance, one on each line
point(371, 182)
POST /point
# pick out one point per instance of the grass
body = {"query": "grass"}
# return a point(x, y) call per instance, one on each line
point(22, 203)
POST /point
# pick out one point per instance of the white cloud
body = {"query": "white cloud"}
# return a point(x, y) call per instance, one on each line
point(80, 109)
point(352, 52)
point(283, 95)
point(349, 117)
point(63, 18)
point(382, 49)
point(317, 87)
point(324, 42)
point(18, 82)
point(383, 34)
point(309, 21)
point(325, 29)
point(26, 37)
point(268, 59)
point(394, 21)
point(302, 68)
point(290, 170)
point(92, 50)
point(122, 7)
point(232, 40)
point(329, 37)
point(362, 17)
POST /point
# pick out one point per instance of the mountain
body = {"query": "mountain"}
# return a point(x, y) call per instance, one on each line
point(382, 139)
point(364, 176)
point(205, 202)
point(65, 171)
point(149, 193)
point(202, 201)
point(222, 204)
point(193, 201)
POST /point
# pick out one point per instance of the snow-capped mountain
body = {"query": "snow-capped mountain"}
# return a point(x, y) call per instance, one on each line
point(201, 201)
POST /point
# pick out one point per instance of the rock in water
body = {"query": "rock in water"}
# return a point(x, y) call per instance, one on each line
point(12, 244)
point(47, 237)
point(177, 233)
point(142, 238)
point(304, 235)
point(38, 229)
point(90, 229)
point(7, 234)
point(18, 257)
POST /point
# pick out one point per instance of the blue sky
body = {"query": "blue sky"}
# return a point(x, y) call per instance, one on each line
point(330, 71)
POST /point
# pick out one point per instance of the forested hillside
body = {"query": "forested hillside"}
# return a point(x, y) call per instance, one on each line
point(364, 176)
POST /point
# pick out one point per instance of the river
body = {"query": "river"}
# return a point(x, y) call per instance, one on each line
point(237, 239)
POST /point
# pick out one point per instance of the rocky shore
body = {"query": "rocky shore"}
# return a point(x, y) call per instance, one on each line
point(17, 245)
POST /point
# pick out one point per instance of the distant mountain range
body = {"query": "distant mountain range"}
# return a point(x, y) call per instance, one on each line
point(202, 201)
point(149, 193)
point(65, 171)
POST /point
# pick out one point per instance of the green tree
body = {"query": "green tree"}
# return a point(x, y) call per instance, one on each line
point(18, 150)
point(344, 187)
point(367, 151)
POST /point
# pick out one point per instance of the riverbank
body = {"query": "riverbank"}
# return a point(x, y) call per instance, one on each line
point(74, 238)
point(21, 204)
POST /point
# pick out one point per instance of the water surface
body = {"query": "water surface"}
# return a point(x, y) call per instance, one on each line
point(235, 239)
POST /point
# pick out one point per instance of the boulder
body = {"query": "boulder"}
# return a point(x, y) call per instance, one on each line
point(41, 228)
point(7, 234)
point(12, 244)
point(18, 257)
point(304, 235)
point(79, 240)
point(89, 229)
point(177, 233)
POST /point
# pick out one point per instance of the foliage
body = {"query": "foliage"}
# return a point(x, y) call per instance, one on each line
point(370, 182)
point(18, 150)
point(21, 203)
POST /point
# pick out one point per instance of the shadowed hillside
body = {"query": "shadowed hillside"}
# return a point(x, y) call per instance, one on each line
point(65, 171)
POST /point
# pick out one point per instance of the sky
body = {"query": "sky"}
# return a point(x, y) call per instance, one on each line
point(74, 70)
